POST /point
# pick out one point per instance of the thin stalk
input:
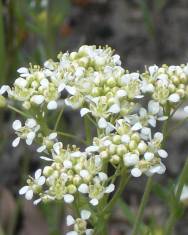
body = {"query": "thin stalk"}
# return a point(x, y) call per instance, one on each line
point(124, 180)
point(17, 111)
point(87, 130)
point(71, 136)
point(142, 206)
point(58, 119)
point(172, 219)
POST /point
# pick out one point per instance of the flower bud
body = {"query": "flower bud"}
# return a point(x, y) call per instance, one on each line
point(26, 105)
point(121, 149)
point(104, 154)
point(132, 145)
point(76, 180)
point(80, 226)
point(116, 139)
point(142, 147)
point(111, 82)
point(112, 149)
point(135, 137)
point(115, 159)
point(71, 188)
point(47, 171)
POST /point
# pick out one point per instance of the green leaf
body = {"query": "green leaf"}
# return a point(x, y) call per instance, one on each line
point(130, 216)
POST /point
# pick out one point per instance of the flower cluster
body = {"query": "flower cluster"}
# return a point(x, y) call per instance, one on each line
point(93, 81)
point(136, 150)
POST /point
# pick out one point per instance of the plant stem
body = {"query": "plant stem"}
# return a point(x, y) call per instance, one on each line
point(172, 219)
point(124, 180)
point(71, 136)
point(58, 119)
point(17, 110)
point(142, 206)
point(87, 131)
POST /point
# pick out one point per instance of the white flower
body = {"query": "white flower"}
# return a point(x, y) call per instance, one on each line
point(16, 125)
point(153, 69)
point(91, 149)
point(70, 220)
point(83, 188)
point(114, 109)
point(159, 169)
point(184, 194)
point(94, 201)
point(136, 172)
point(84, 111)
point(20, 82)
point(185, 109)
point(102, 123)
point(52, 105)
point(84, 215)
point(174, 98)
point(130, 159)
point(110, 188)
point(162, 153)
point(28, 190)
point(37, 99)
point(23, 70)
point(27, 132)
point(68, 198)
point(4, 89)
point(46, 140)
point(148, 156)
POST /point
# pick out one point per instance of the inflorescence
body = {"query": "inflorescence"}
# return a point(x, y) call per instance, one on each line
point(125, 107)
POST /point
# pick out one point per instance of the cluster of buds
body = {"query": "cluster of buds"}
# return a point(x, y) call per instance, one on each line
point(93, 80)
point(166, 83)
point(133, 149)
point(71, 171)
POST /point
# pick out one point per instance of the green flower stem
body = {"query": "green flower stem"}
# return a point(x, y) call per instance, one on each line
point(124, 180)
point(172, 219)
point(17, 110)
point(71, 136)
point(103, 216)
point(87, 131)
point(58, 119)
point(142, 206)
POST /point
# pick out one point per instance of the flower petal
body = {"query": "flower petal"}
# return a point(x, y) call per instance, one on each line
point(16, 125)
point(68, 198)
point(85, 214)
point(70, 220)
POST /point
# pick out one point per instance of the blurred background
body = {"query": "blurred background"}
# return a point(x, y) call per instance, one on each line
point(143, 32)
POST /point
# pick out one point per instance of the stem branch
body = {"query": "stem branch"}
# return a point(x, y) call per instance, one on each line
point(142, 206)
